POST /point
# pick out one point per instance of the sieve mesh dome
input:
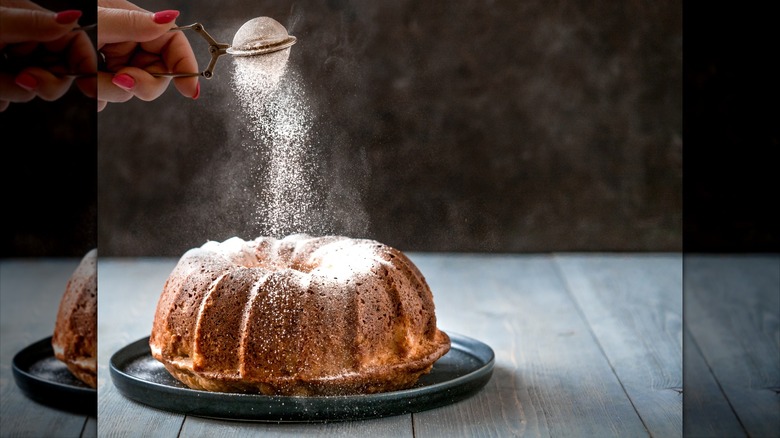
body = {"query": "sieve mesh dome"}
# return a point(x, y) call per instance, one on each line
point(259, 36)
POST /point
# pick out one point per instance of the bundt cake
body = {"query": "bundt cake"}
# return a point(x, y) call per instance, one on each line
point(75, 331)
point(301, 315)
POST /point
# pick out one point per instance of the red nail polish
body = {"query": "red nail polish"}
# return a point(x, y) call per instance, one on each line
point(123, 81)
point(68, 16)
point(26, 81)
point(197, 92)
point(164, 17)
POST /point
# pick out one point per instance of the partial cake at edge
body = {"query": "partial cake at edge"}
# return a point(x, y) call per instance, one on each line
point(75, 331)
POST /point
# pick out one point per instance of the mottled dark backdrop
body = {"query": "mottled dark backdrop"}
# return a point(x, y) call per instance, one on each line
point(460, 126)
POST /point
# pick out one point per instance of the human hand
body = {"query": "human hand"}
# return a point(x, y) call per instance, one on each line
point(135, 44)
point(43, 53)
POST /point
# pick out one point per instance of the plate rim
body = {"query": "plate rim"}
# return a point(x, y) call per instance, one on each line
point(49, 392)
point(460, 388)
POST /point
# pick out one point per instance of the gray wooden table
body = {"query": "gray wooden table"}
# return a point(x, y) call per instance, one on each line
point(586, 345)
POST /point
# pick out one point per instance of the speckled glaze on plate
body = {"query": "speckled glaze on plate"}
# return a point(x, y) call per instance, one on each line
point(457, 375)
point(46, 380)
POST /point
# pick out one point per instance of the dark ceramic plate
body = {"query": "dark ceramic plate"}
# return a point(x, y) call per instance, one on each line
point(46, 380)
point(459, 374)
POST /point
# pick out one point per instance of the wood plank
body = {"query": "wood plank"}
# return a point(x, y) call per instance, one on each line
point(732, 309)
point(30, 293)
point(90, 428)
point(706, 411)
point(633, 304)
point(550, 379)
point(127, 297)
point(397, 426)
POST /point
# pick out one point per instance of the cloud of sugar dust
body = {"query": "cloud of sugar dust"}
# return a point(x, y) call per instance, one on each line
point(306, 175)
point(292, 191)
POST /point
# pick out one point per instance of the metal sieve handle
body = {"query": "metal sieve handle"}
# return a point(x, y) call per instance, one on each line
point(215, 49)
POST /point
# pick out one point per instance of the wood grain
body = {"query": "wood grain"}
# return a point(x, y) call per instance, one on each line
point(732, 309)
point(633, 305)
point(706, 411)
point(551, 378)
point(391, 427)
point(128, 291)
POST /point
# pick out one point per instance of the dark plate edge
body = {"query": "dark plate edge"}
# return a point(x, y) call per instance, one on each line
point(340, 408)
point(73, 399)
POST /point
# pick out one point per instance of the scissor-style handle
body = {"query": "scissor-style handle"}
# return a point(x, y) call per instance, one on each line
point(215, 49)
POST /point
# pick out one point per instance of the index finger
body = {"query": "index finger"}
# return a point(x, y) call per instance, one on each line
point(122, 25)
point(22, 25)
point(178, 57)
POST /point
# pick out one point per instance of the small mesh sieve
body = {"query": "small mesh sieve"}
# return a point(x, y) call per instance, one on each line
point(258, 36)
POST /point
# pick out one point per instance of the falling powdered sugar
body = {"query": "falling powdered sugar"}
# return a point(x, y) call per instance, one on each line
point(280, 123)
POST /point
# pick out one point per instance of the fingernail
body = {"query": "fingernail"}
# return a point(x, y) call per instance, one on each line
point(68, 16)
point(164, 17)
point(124, 81)
point(197, 92)
point(26, 81)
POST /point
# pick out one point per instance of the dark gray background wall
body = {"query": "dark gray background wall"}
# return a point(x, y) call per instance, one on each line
point(460, 126)
point(730, 130)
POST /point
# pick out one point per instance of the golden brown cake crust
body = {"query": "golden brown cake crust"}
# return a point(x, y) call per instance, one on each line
point(298, 316)
point(75, 331)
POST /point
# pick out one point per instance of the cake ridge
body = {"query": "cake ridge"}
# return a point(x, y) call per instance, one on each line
point(199, 319)
point(253, 292)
